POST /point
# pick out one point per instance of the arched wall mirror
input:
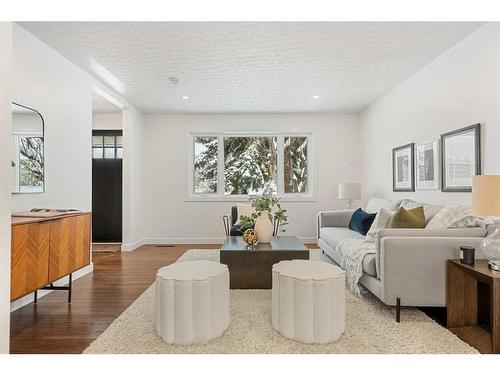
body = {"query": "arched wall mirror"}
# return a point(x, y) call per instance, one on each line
point(28, 163)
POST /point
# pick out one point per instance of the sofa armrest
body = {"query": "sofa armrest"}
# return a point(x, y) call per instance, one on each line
point(411, 232)
point(414, 268)
point(338, 218)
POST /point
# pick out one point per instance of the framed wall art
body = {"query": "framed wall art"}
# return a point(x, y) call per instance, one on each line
point(427, 165)
point(403, 168)
point(460, 158)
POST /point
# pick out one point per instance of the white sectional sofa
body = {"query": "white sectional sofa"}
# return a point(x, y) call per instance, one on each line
point(409, 267)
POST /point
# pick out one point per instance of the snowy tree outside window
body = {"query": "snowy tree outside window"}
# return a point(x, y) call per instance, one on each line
point(295, 164)
point(205, 164)
point(31, 164)
point(240, 165)
point(250, 165)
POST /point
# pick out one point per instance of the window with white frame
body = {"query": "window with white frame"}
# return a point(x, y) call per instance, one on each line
point(240, 164)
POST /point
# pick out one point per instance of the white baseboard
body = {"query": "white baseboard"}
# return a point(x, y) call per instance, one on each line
point(61, 282)
point(132, 246)
point(182, 241)
point(186, 240)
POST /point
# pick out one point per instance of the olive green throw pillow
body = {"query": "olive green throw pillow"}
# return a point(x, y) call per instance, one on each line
point(413, 218)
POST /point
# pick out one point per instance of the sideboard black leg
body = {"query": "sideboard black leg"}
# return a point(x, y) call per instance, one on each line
point(398, 309)
point(69, 287)
point(35, 297)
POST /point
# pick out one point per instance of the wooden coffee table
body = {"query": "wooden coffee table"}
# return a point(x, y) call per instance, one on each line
point(252, 268)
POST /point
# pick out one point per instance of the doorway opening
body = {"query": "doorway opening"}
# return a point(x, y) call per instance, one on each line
point(107, 176)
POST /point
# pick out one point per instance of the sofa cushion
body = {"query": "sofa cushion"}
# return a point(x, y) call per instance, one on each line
point(381, 221)
point(369, 264)
point(447, 215)
point(361, 221)
point(333, 235)
point(430, 210)
point(375, 204)
point(413, 218)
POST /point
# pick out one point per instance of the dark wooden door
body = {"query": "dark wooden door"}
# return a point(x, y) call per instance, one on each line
point(106, 198)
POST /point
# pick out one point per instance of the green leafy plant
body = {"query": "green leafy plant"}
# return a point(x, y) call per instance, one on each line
point(262, 203)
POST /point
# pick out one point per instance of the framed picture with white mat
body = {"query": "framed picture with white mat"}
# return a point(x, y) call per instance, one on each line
point(427, 165)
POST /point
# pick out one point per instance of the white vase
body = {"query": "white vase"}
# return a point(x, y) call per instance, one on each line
point(490, 246)
point(264, 227)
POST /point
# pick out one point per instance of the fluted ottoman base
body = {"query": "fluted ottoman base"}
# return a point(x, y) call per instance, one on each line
point(308, 301)
point(192, 302)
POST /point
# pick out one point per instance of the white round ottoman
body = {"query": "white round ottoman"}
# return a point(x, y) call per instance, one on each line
point(308, 301)
point(192, 302)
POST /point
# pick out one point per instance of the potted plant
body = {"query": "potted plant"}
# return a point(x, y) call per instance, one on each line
point(269, 218)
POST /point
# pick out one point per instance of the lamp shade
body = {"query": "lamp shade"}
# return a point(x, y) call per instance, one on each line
point(486, 195)
point(350, 190)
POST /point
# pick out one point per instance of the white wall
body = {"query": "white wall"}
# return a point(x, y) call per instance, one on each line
point(5, 129)
point(459, 88)
point(107, 121)
point(133, 194)
point(61, 92)
point(168, 217)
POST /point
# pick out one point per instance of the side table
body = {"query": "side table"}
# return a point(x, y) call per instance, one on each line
point(473, 304)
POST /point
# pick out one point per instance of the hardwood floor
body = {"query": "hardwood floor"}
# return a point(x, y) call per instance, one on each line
point(105, 248)
point(53, 326)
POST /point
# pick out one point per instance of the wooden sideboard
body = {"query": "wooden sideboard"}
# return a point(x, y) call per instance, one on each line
point(47, 249)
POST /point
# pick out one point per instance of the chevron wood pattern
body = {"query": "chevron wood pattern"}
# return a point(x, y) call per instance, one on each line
point(47, 250)
point(69, 245)
point(29, 258)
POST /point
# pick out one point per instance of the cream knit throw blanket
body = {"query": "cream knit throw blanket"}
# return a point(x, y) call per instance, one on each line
point(351, 252)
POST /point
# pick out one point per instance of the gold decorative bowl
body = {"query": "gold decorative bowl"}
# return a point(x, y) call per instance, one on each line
point(251, 237)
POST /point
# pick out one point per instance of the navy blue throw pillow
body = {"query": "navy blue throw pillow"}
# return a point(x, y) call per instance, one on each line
point(361, 221)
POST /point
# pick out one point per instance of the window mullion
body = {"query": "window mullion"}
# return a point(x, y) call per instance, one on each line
point(220, 165)
point(281, 166)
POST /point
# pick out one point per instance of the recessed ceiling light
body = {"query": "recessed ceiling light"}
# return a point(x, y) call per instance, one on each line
point(315, 96)
point(185, 97)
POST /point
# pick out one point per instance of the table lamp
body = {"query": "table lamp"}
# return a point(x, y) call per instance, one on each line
point(486, 202)
point(350, 191)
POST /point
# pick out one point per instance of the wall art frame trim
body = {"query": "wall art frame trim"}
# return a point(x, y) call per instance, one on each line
point(410, 147)
point(476, 152)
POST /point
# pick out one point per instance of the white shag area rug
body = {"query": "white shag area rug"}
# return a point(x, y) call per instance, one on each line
point(370, 327)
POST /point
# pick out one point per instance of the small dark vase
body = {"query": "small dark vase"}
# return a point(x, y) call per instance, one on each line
point(467, 255)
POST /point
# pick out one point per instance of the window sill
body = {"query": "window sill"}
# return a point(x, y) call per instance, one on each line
point(245, 199)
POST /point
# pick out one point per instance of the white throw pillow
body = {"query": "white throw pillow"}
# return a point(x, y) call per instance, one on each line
point(245, 210)
point(447, 215)
point(381, 221)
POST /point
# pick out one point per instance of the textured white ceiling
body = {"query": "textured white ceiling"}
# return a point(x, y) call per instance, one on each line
point(99, 104)
point(251, 66)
